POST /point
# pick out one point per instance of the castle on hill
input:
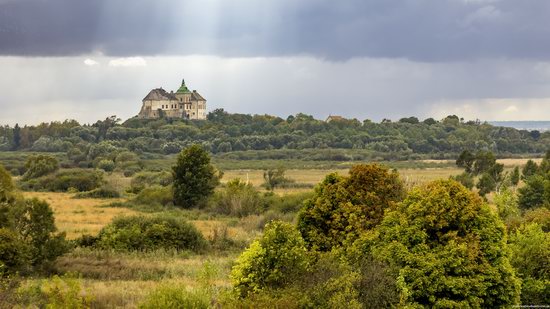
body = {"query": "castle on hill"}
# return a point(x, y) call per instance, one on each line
point(183, 103)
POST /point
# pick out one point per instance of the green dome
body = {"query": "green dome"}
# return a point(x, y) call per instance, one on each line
point(183, 88)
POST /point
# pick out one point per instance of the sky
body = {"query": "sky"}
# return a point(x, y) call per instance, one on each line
point(364, 59)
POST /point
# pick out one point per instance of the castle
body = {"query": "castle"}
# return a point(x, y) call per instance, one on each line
point(182, 104)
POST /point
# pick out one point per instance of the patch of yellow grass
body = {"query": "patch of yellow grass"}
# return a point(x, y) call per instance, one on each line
point(79, 216)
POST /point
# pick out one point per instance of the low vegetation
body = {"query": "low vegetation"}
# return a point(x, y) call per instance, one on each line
point(156, 230)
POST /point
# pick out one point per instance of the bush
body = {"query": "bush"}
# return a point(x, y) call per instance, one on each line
point(40, 165)
point(155, 196)
point(344, 207)
point(146, 179)
point(57, 292)
point(530, 256)
point(278, 258)
point(150, 233)
point(14, 252)
point(448, 248)
point(103, 192)
point(80, 179)
point(106, 165)
point(170, 296)
point(237, 199)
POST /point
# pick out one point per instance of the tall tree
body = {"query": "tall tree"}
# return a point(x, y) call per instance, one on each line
point(194, 177)
point(16, 137)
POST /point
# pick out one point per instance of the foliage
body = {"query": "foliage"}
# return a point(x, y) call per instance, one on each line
point(146, 179)
point(274, 178)
point(170, 296)
point(507, 204)
point(531, 168)
point(515, 176)
point(483, 163)
point(106, 165)
point(448, 249)
point(28, 238)
point(7, 186)
point(276, 259)
point(103, 192)
point(79, 179)
point(154, 195)
point(194, 177)
point(535, 193)
point(56, 293)
point(40, 165)
point(466, 179)
point(344, 207)
point(149, 233)
point(530, 255)
point(237, 199)
point(14, 253)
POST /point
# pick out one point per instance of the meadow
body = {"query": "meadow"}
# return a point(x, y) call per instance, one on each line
point(124, 279)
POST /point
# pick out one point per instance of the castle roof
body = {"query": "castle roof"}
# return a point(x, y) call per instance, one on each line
point(159, 94)
point(183, 88)
point(195, 96)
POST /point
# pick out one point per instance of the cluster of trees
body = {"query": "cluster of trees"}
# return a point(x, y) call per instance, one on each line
point(223, 132)
point(28, 237)
point(363, 242)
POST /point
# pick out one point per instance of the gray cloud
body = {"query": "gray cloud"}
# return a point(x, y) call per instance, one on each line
point(432, 30)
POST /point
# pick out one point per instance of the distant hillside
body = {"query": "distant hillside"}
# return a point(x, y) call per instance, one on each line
point(235, 135)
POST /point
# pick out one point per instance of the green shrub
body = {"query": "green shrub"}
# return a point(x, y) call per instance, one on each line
point(531, 256)
point(155, 196)
point(80, 179)
point(344, 207)
point(448, 248)
point(146, 179)
point(14, 252)
point(40, 165)
point(56, 293)
point(106, 165)
point(103, 192)
point(150, 233)
point(275, 260)
point(237, 199)
point(178, 296)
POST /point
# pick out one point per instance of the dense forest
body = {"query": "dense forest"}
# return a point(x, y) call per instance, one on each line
point(222, 132)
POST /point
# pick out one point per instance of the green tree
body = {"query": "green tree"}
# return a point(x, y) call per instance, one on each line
point(531, 168)
point(344, 207)
point(466, 161)
point(535, 193)
point(194, 177)
point(507, 204)
point(40, 165)
point(448, 249)
point(486, 184)
point(275, 260)
point(465, 179)
point(274, 178)
point(484, 162)
point(515, 176)
point(16, 137)
point(530, 256)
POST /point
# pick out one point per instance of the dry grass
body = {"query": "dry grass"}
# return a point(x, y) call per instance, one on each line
point(79, 216)
point(314, 176)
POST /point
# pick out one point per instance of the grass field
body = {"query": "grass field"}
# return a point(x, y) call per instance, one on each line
point(79, 216)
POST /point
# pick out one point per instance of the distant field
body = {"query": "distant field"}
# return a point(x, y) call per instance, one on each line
point(314, 176)
point(79, 216)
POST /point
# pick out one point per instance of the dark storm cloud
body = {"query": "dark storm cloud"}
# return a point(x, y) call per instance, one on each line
point(424, 30)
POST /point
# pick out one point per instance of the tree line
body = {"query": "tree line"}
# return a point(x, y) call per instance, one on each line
point(225, 132)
